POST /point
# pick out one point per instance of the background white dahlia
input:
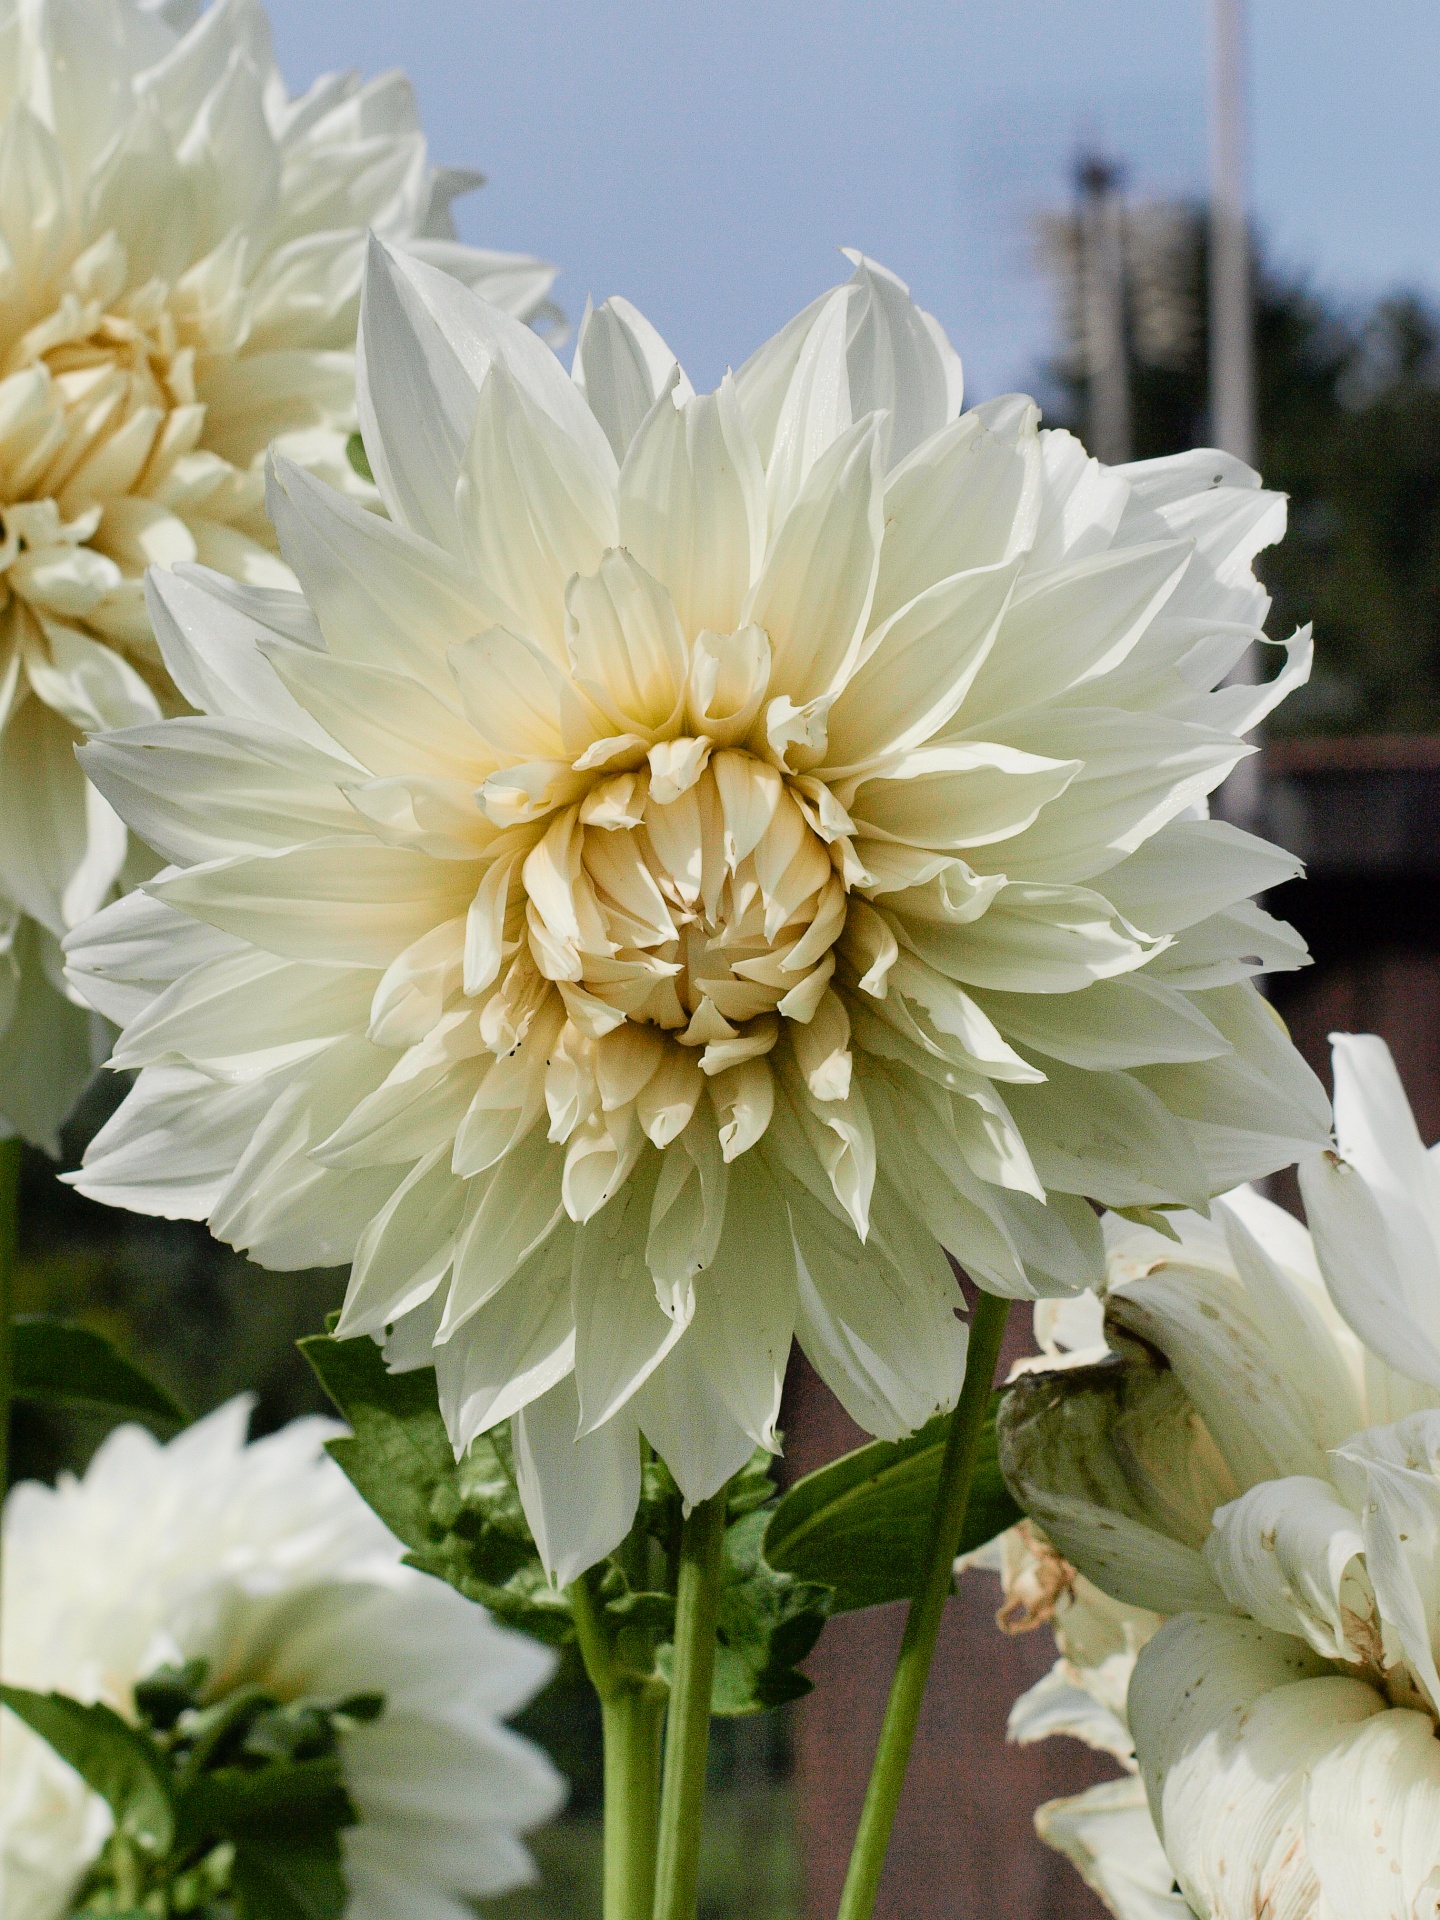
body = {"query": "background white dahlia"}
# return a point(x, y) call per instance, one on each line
point(264, 1562)
point(700, 857)
point(1257, 1453)
point(179, 284)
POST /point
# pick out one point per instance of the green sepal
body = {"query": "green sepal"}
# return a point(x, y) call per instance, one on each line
point(60, 1364)
point(113, 1758)
point(359, 460)
point(462, 1522)
point(860, 1524)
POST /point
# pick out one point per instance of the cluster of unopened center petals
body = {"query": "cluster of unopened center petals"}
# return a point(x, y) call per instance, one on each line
point(263, 1562)
point(179, 285)
point(698, 858)
point(1257, 1454)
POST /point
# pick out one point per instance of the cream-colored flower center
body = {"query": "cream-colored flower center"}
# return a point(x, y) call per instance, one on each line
point(101, 469)
point(707, 913)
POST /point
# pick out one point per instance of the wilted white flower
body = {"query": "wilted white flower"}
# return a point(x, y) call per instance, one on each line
point(264, 1562)
point(1274, 1481)
point(700, 857)
point(179, 283)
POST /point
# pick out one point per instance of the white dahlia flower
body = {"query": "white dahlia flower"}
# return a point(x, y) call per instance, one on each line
point(1260, 1457)
point(181, 247)
point(700, 857)
point(265, 1563)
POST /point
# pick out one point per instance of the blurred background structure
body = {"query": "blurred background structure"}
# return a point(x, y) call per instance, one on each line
point(1040, 175)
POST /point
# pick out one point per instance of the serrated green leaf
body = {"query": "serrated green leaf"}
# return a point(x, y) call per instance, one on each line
point(60, 1364)
point(120, 1763)
point(360, 461)
point(399, 1453)
point(767, 1623)
point(462, 1523)
point(859, 1525)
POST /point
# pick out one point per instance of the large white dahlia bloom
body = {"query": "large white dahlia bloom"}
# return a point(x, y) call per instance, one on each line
point(700, 857)
point(264, 1562)
point(1260, 1457)
point(181, 247)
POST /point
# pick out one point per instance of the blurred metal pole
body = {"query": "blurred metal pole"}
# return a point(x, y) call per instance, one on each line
point(1232, 324)
point(1102, 292)
point(1232, 320)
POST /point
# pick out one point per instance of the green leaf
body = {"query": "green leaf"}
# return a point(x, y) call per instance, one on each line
point(860, 1524)
point(462, 1523)
point(768, 1621)
point(290, 1883)
point(289, 1803)
point(355, 453)
point(65, 1365)
point(120, 1763)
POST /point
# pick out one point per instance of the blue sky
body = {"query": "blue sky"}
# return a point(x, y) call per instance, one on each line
point(706, 159)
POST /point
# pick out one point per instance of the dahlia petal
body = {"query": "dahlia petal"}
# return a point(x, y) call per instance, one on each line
point(813, 595)
point(1138, 771)
point(1224, 1760)
point(64, 844)
point(222, 1015)
point(382, 596)
point(689, 1425)
point(1281, 1552)
point(1274, 1107)
point(214, 766)
point(1191, 869)
point(899, 361)
point(1082, 502)
point(745, 1303)
point(215, 655)
point(173, 1146)
point(965, 499)
point(341, 901)
point(532, 508)
point(1131, 1021)
point(1074, 624)
point(621, 1335)
point(1389, 1475)
point(917, 668)
point(280, 1202)
point(964, 795)
point(1371, 1806)
point(133, 949)
point(511, 1210)
point(1107, 1835)
point(48, 1051)
point(405, 1250)
point(622, 367)
point(626, 647)
point(889, 1344)
point(579, 1495)
point(514, 1349)
point(1109, 1136)
point(1034, 939)
point(692, 504)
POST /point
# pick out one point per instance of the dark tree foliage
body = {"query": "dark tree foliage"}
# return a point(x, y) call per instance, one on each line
point(1349, 424)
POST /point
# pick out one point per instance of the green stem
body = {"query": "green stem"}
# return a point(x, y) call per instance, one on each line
point(922, 1628)
point(9, 1226)
point(631, 1723)
point(631, 1715)
point(687, 1725)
